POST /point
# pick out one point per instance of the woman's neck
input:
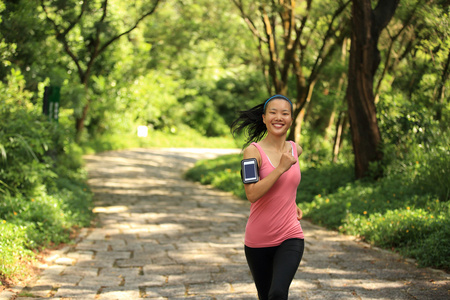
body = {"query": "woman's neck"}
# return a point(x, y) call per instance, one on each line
point(276, 143)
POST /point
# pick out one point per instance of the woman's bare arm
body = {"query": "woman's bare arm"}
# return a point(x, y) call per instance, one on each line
point(255, 191)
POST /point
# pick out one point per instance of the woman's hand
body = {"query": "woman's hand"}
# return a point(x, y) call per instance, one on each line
point(299, 214)
point(286, 161)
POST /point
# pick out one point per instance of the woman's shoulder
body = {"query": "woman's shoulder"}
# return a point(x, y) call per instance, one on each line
point(298, 147)
point(251, 151)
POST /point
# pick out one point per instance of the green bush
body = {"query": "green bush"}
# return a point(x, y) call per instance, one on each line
point(12, 248)
point(222, 172)
point(407, 210)
point(434, 174)
point(423, 234)
point(323, 180)
point(43, 190)
point(434, 249)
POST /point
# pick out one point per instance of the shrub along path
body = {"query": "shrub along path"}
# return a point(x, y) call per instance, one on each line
point(161, 237)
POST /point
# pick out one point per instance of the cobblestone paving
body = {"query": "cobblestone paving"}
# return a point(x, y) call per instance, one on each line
point(161, 237)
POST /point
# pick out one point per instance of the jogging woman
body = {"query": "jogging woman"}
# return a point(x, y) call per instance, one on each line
point(274, 240)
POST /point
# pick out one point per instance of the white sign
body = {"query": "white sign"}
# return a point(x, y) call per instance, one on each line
point(142, 131)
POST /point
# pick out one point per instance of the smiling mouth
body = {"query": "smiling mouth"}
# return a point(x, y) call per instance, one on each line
point(278, 125)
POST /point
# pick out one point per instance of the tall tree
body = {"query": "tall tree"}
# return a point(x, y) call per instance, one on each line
point(98, 31)
point(294, 44)
point(367, 24)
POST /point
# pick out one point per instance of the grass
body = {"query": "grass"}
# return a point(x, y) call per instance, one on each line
point(222, 172)
point(185, 137)
point(31, 223)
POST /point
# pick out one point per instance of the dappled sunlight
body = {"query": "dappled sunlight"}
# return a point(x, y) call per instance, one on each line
point(110, 209)
point(182, 231)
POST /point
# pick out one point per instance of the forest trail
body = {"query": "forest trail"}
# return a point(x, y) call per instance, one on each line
point(162, 237)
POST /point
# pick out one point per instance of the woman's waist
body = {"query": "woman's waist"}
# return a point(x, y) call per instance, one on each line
point(264, 236)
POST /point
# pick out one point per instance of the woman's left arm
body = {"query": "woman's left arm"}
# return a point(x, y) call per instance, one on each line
point(299, 211)
point(299, 149)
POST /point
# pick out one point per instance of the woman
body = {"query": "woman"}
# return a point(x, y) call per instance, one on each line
point(274, 240)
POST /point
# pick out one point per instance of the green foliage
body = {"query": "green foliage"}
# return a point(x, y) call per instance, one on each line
point(24, 138)
point(407, 210)
point(416, 232)
point(222, 172)
point(12, 247)
point(176, 137)
point(43, 191)
point(323, 180)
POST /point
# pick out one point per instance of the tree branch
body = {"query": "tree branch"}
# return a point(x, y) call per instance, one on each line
point(330, 32)
point(251, 25)
point(95, 50)
point(273, 56)
point(382, 14)
point(112, 40)
point(406, 24)
point(288, 18)
point(75, 22)
point(61, 35)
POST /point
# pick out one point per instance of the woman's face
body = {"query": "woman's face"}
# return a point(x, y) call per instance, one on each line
point(278, 116)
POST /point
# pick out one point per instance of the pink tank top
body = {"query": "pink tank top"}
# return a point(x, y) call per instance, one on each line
point(273, 217)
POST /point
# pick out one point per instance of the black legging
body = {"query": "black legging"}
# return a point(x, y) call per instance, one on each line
point(273, 268)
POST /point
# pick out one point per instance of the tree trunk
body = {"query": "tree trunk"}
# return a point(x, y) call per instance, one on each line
point(79, 122)
point(339, 135)
point(367, 25)
point(342, 116)
point(303, 103)
point(329, 124)
point(441, 90)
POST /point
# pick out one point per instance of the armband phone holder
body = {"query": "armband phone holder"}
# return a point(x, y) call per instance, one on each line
point(249, 170)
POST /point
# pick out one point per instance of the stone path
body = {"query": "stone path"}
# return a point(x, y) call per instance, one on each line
point(161, 237)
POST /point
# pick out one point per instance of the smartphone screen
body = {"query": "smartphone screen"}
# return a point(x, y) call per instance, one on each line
point(250, 173)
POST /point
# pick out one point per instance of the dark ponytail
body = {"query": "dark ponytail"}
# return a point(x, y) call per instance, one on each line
point(252, 121)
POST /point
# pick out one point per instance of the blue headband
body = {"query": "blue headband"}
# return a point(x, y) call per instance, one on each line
point(277, 97)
